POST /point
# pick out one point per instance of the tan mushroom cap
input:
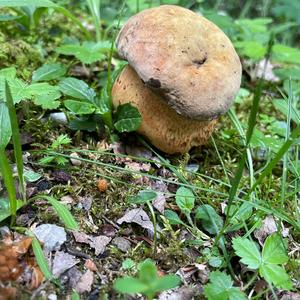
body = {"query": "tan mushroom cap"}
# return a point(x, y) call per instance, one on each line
point(183, 57)
point(164, 128)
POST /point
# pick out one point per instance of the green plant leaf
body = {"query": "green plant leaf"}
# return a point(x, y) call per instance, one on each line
point(77, 89)
point(5, 18)
point(20, 3)
point(129, 285)
point(251, 49)
point(31, 176)
point(128, 118)
point(61, 210)
point(286, 73)
point(5, 127)
point(148, 272)
point(17, 88)
point(127, 264)
point(143, 197)
point(286, 54)
point(172, 217)
point(8, 73)
point(282, 105)
point(75, 295)
point(210, 220)
point(185, 199)
point(274, 250)
point(167, 282)
point(88, 52)
point(248, 251)
point(79, 107)
point(221, 288)
point(5, 211)
point(49, 72)
point(15, 138)
point(40, 258)
point(276, 275)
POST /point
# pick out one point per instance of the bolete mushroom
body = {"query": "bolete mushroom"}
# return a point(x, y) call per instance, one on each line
point(184, 73)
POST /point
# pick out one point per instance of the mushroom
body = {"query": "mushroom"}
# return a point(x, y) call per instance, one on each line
point(184, 73)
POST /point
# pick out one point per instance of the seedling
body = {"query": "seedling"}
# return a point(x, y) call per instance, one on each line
point(147, 283)
point(268, 262)
point(221, 288)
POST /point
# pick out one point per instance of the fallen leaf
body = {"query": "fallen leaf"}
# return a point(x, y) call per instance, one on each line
point(8, 293)
point(37, 277)
point(81, 237)
point(52, 236)
point(183, 292)
point(85, 203)
point(268, 227)
point(11, 252)
point(138, 166)
point(138, 216)
point(160, 201)
point(73, 276)
point(90, 265)
point(62, 262)
point(265, 69)
point(85, 282)
point(66, 200)
point(122, 244)
point(99, 243)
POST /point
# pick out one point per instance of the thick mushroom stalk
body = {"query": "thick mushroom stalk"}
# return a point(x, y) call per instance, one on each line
point(163, 127)
point(186, 71)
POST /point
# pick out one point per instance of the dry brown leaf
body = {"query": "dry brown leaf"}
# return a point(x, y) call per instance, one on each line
point(90, 265)
point(8, 293)
point(11, 252)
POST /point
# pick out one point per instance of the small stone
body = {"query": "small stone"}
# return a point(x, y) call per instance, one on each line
point(52, 297)
point(59, 118)
point(74, 161)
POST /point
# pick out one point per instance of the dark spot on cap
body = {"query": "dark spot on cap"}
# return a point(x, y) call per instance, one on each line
point(154, 83)
point(199, 62)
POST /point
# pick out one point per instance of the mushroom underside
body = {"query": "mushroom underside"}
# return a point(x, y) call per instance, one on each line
point(161, 125)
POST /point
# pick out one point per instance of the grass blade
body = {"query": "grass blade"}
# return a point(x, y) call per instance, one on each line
point(40, 258)
point(94, 7)
point(15, 137)
point(285, 156)
point(9, 184)
point(61, 210)
point(284, 148)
